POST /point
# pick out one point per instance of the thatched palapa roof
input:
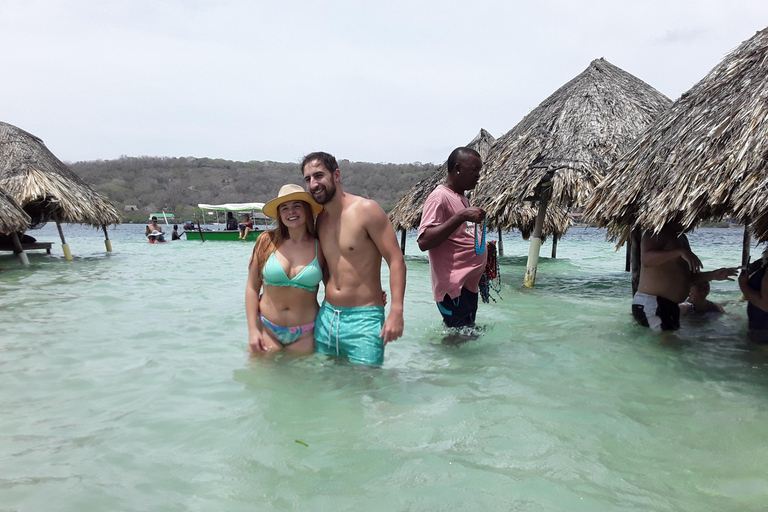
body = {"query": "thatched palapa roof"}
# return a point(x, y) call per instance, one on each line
point(407, 213)
point(706, 157)
point(45, 187)
point(12, 217)
point(578, 132)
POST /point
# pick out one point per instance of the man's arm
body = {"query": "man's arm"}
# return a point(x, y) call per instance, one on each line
point(653, 252)
point(721, 274)
point(433, 236)
point(252, 289)
point(383, 235)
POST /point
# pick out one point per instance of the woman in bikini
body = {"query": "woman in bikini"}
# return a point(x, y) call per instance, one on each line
point(288, 264)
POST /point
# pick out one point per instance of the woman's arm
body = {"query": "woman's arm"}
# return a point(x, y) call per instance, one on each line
point(252, 289)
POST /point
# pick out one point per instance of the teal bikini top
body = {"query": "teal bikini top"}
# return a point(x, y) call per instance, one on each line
point(307, 279)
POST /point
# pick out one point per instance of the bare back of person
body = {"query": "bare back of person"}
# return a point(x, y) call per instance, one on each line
point(671, 277)
point(353, 259)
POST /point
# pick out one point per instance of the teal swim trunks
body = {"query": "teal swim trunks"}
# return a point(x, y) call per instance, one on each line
point(351, 332)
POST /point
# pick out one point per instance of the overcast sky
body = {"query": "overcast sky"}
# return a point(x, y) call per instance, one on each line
point(395, 81)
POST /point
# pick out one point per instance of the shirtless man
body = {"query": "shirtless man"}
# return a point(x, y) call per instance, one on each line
point(154, 227)
point(355, 234)
point(668, 269)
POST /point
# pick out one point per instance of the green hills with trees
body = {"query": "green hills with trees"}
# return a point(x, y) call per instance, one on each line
point(177, 185)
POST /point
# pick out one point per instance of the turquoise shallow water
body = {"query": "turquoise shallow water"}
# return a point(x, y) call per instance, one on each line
point(125, 385)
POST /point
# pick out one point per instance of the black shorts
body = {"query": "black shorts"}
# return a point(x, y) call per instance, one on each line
point(461, 311)
point(656, 312)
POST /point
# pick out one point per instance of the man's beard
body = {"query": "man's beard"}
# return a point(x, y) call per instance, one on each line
point(325, 196)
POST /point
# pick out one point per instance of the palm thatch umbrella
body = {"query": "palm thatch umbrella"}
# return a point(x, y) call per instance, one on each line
point(561, 150)
point(13, 220)
point(12, 217)
point(705, 158)
point(46, 188)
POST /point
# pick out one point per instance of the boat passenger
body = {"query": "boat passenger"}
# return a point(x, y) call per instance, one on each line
point(753, 282)
point(288, 265)
point(245, 227)
point(231, 222)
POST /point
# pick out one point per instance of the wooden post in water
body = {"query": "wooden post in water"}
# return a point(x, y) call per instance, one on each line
point(501, 244)
point(628, 260)
point(637, 236)
point(200, 228)
point(64, 246)
point(535, 247)
point(107, 242)
point(554, 245)
point(402, 241)
point(745, 244)
point(18, 249)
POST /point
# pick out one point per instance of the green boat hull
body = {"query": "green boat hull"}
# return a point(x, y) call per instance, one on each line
point(222, 235)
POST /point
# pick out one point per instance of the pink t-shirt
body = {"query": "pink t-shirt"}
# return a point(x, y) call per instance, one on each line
point(453, 263)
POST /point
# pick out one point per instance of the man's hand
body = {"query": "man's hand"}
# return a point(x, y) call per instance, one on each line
point(726, 274)
point(393, 327)
point(694, 263)
point(473, 214)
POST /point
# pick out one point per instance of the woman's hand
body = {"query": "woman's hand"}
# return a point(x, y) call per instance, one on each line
point(256, 342)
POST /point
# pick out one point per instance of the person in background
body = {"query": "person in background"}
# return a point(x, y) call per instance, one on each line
point(355, 235)
point(697, 302)
point(154, 231)
point(175, 233)
point(231, 222)
point(446, 233)
point(668, 269)
point(287, 264)
point(245, 227)
point(753, 282)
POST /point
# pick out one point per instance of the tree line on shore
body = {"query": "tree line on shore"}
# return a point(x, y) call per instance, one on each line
point(177, 185)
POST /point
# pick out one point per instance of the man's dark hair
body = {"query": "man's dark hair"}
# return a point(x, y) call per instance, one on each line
point(460, 152)
point(327, 159)
point(154, 218)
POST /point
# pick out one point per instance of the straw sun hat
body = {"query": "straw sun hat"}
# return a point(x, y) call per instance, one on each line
point(290, 192)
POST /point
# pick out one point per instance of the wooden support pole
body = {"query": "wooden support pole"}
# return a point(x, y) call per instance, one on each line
point(554, 246)
point(628, 260)
point(18, 249)
point(533, 251)
point(402, 241)
point(637, 236)
point(107, 242)
point(745, 244)
point(200, 227)
point(64, 246)
point(501, 244)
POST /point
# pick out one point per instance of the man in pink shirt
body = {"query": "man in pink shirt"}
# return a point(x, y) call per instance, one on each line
point(445, 231)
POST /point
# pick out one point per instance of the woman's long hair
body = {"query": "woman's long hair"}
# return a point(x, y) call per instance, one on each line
point(269, 241)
